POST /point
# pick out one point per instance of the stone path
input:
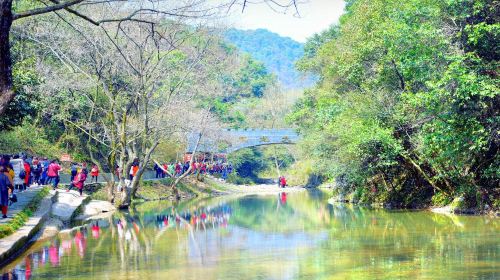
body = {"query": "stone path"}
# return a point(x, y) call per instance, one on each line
point(12, 245)
point(23, 199)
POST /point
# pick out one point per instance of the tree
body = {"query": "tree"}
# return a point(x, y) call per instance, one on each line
point(406, 100)
point(135, 11)
point(133, 86)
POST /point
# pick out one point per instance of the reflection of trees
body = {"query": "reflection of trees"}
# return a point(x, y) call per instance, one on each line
point(403, 244)
point(303, 238)
point(298, 214)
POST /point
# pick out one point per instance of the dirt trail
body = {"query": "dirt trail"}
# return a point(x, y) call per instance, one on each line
point(217, 186)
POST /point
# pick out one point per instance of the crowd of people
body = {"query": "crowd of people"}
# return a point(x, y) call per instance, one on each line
point(177, 169)
point(19, 172)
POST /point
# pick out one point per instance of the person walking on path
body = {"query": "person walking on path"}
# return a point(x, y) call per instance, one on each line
point(178, 169)
point(134, 168)
point(94, 172)
point(79, 181)
point(45, 165)
point(171, 170)
point(53, 173)
point(18, 167)
point(9, 169)
point(36, 170)
point(27, 175)
point(74, 171)
point(5, 185)
point(158, 171)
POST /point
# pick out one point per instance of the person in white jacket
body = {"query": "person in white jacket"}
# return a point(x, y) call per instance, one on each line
point(17, 166)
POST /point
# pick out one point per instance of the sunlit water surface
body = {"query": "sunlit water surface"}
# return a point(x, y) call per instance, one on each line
point(293, 236)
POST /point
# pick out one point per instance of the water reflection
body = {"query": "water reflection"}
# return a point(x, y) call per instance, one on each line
point(287, 236)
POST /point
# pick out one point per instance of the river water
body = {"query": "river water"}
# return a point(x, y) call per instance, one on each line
point(292, 236)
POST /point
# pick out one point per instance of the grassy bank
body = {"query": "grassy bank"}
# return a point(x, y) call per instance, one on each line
point(22, 217)
point(151, 190)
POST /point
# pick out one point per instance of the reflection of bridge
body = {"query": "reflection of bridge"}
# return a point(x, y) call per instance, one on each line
point(230, 140)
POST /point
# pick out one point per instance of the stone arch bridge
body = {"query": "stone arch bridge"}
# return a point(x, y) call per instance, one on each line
point(231, 140)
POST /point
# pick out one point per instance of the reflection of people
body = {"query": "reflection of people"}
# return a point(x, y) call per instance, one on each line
point(80, 243)
point(119, 227)
point(27, 271)
point(54, 254)
point(283, 198)
point(95, 230)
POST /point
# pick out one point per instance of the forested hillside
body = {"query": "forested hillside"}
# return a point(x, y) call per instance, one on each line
point(278, 54)
point(406, 110)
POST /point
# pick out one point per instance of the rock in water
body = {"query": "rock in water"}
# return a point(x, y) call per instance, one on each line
point(67, 203)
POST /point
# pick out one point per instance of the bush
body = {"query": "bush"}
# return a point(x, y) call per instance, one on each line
point(441, 199)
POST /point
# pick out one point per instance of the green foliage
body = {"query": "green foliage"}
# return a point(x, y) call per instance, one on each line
point(405, 102)
point(252, 164)
point(25, 81)
point(247, 162)
point(242, 87)
point(441, 199)
point(28, 138)
point(278, 54)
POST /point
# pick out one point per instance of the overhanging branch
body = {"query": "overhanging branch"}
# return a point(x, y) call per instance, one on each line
point(44, 10)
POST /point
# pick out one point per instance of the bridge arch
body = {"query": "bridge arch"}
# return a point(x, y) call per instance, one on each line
point(237, 139)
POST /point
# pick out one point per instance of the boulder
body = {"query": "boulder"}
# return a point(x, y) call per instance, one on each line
point(95, 209)
point(67, 203)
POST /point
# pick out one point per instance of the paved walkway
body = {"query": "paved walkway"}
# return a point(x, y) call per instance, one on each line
point(23, 199)
point(13, 244)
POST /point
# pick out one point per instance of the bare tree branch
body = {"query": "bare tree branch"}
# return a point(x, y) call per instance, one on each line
point(48, 9)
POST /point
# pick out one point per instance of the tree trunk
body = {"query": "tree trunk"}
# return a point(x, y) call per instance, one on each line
point(6, 90)
point(193, 155)
point(134, 185)
point(276, 163)
point(422, 173)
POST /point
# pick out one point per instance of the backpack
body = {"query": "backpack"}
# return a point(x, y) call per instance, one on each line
point(12, 199)
point(37, 169)
point(22, 174)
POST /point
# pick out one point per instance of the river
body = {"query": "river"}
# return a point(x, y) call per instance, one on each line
point(293, 236)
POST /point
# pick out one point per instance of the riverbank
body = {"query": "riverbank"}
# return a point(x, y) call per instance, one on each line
point(214, 186)
point(191, 187)
point(451, 209)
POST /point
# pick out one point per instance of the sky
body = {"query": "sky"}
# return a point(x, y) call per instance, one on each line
point(315, 16)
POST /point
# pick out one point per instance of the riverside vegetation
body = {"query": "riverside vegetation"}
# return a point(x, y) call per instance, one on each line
point(405, 112)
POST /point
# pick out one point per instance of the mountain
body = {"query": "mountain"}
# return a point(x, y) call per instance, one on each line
point(278, 54)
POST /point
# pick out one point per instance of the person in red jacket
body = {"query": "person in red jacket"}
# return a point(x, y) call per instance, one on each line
point(283, 181)
point(94, 172)
point(165, 168)
point(27, 171)
point(79, 181)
